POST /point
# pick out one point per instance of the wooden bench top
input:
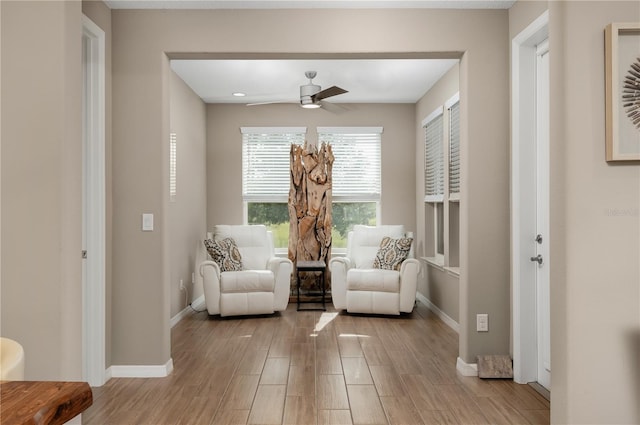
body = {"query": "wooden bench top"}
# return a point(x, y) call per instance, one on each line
point(42, 402)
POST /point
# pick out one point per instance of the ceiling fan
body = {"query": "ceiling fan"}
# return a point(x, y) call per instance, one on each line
point(311, 95)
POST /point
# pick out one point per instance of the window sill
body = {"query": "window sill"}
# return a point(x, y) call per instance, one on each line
point(453, 271)
point(436, 262)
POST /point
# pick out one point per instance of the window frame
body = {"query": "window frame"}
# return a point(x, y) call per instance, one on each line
point(438, 196)
point(453, 101)
point(436, 200)
point(325, 134)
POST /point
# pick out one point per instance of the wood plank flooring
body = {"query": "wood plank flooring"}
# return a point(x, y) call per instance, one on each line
point(312, 367)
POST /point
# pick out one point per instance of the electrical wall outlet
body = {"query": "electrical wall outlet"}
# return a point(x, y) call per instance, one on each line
point(482, 322)
point(182, 288)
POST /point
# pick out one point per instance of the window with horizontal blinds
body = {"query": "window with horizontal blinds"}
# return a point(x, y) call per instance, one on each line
point(433, 159)
point(454, 150)
point(357, 174)
point(265, 162)
point(173, 166)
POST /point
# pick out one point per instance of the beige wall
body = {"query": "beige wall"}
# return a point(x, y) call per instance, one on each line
point(41, 185)
point(224, 152)
point(187, 214)
point(595, 225)
point(141, 124)
point(595, 292)
point(437, 285)
point(100, 14)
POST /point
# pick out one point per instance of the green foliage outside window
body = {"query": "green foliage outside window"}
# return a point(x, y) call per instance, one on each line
point(345, 214)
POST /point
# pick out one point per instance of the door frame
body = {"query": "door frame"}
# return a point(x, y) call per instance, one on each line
point(94, 207)
point(523, 134)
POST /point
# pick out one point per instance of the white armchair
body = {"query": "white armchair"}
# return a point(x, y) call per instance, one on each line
point(263, 284)
point(359, 288)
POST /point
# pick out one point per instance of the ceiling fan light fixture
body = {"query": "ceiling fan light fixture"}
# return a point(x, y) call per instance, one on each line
point(308, 103)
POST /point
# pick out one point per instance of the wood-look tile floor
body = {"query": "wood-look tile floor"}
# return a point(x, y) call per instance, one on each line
point(313, 367)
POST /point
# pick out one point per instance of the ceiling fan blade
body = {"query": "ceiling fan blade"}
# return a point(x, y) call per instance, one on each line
point(336, 108)
point(331, 91)
point(272, 102)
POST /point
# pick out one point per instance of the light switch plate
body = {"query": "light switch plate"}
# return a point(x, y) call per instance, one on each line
point(482, 323)
point(147, 222)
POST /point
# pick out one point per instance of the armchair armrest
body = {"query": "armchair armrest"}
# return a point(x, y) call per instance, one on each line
point(409, 271)
point(210, 272)
point(339, 266)
point(282, 269)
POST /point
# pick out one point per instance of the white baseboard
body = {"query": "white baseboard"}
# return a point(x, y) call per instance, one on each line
point(196, 304)
point(141, 371)
point(108, 374)
point(199, 303)
point(441, 314)
point(466, 369)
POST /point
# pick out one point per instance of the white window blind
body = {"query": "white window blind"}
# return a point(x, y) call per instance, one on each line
point(358, 162)
point(173, 166)
point(265, 162)
point(433, 160)
point(454, 150)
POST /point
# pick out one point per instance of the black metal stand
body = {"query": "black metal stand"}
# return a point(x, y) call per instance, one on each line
point(311, 266)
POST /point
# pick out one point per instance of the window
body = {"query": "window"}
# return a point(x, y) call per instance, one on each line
point(265, 177)
point(442, 183)
point(453, 213)
point(173, 167)
point(454, 148)
point(434, 180)
point(357, 177)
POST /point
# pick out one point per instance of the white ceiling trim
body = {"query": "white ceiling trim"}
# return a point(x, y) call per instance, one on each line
point(310, 4)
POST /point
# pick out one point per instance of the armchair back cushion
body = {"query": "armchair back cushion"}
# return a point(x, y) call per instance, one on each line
point(252, 241)
point(364, 243)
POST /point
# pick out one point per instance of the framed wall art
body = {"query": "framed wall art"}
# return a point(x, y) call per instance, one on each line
point(622, 91)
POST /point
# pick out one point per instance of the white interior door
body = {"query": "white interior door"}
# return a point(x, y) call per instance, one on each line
point(542, 216)
point(93, 203)
point(530, 203)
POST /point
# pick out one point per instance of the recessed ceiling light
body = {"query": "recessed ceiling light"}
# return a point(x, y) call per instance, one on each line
point(239, 94)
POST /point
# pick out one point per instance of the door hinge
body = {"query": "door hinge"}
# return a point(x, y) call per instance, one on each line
point(84, 254)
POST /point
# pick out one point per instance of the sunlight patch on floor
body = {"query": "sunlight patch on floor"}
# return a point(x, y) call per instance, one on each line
point(353, 336)
point(325, 319)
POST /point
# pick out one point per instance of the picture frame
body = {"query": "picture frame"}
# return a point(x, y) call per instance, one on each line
point(622, 91)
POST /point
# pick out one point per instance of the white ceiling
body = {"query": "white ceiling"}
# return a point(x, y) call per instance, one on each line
point(309, 4)
point(367, 80)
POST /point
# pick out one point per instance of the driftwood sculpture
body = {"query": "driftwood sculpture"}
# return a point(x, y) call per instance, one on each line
point(310, 206)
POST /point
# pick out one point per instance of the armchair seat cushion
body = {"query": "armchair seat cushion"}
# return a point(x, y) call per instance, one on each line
point(373, 280)
point(247, 281)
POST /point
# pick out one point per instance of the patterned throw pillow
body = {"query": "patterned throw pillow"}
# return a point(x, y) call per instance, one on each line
point(225, 252)
point(392, 253)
